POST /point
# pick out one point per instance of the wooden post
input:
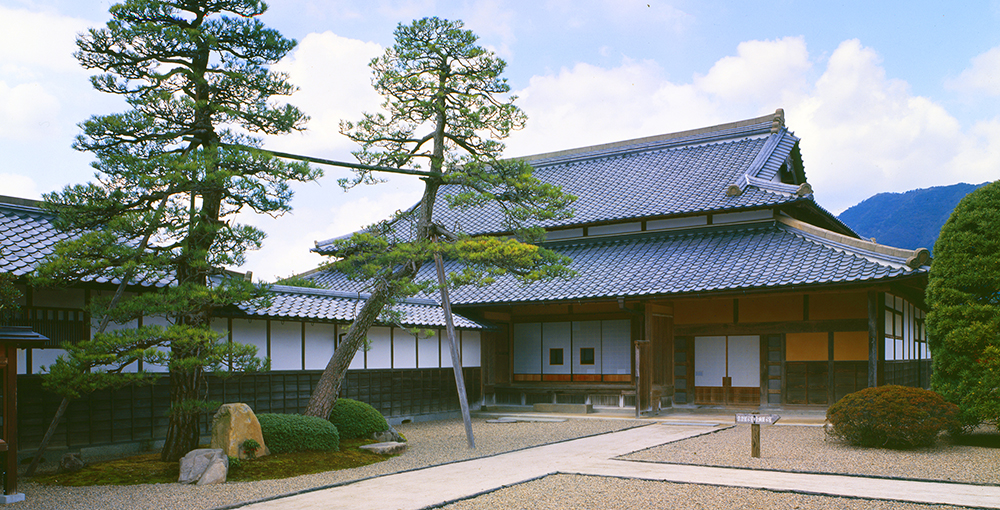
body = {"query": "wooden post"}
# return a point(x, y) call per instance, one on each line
point(10, 418)
point(456, 360)
point(755, 440)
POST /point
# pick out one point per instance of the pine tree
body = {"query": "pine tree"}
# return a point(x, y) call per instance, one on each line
point(161, 209)
point(445, 107)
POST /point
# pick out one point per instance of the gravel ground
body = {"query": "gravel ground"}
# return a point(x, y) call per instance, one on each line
point(808, 449)
point(591, 492)
point(431, 443)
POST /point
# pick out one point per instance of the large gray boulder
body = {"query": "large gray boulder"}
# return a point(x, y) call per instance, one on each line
point(388, 436)
point(204, 466)
point(232, 425)
point(71, 463)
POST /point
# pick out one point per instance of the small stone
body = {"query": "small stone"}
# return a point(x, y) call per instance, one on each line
point(201, 462)
point(388, 436)
point(389, 448)
point(71, 463)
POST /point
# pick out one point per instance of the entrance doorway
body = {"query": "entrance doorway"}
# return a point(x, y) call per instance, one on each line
point(727, 370)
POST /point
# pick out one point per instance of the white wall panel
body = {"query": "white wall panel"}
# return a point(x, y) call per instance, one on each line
point(428, 352)
point(616, 343)
point(744, 361)
point(709, 360)
point(556, 335)
point(251, 332)
point(446, 348)
point(527, 348)
point(380, 354)
point(587, 334)
point(471, 349)
point(22, 361)
point(286, 345)
point(404, 349)
point(43, 358)
point(320, 340)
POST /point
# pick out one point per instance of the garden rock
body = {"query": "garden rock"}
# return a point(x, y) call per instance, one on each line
point(71, 463)
point(232, 425)
point(388, 436)
point(389, 448)
point(204, 466)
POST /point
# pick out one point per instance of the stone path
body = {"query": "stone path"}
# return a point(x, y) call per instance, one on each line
point(595, 456)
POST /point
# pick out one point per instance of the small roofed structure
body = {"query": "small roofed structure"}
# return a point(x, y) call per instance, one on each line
point(11, 337)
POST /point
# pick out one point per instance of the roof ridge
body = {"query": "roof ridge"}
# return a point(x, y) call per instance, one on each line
point(912, 259)
point(289, 289)
point(756, 125)
point(23, 204)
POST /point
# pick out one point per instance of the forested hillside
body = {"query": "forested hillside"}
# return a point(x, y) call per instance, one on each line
point(906, 220)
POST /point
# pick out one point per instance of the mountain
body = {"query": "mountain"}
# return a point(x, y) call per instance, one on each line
point(908, 220)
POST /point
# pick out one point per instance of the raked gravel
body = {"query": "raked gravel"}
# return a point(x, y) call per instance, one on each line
point(808, 449)
point(602, 493)
point(430, 443)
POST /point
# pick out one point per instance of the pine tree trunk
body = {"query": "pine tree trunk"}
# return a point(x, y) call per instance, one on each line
point(182, 427)
point(60, 411)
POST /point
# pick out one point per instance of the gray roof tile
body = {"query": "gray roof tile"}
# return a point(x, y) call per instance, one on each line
point(756, 256)
point(337, 306)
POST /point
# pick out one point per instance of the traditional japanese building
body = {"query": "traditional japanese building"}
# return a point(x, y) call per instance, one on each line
point(706, 252)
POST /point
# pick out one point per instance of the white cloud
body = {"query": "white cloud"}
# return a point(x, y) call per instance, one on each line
point(761, 72)
point(32, 41)
point(983, 75)
point(27, 111)
point(17, 185)
point(334, 84)
point(863, 132)
point(494, 20)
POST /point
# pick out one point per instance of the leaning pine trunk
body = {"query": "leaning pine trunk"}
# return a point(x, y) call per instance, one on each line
point(325, 393)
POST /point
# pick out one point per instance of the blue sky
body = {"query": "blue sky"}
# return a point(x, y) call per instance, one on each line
point(887, 96)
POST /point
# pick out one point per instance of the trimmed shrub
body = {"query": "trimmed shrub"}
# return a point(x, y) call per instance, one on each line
point(891, 417)
point(284, 433)
point(356, 419)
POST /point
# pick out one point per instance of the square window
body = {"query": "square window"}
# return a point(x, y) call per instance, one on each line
point(587, 356)
point(555, 356)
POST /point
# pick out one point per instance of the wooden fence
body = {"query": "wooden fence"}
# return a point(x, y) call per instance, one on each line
point(139, 413)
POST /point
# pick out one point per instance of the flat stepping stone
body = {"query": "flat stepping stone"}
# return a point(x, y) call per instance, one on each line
point(387, 448)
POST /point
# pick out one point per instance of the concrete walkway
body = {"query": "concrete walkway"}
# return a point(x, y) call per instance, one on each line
point(594, 456)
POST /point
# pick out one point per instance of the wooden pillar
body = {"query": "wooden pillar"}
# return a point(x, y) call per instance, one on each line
point(9, 363)
point(876, 339)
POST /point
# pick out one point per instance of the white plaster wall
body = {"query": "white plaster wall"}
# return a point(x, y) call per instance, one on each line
point(428, 351)
point(160, 321)
point(22, 361)
point(587, 334)
point(43, 357)
point(286, 345)
point(320, 340)
point(471, 347)
point(556, 335)
point(616, 343)
point(744, 361)
point(404, 349)
point(527, 348)
point(709, 360)
point(251, 332)
point(380, 354)
point(446, 348)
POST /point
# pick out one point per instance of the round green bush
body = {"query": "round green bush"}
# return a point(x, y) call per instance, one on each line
point(891, 417)
point(356, 419)
point(284, 433)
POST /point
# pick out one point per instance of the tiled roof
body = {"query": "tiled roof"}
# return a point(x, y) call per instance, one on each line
point(758, 256)
point(26, 236)
point(654, 177)
point(336, 306)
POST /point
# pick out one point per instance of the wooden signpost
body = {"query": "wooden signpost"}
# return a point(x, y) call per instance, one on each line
point(755, 420)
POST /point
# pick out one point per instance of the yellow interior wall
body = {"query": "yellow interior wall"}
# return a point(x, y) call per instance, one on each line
point(807, 347)
point(850, 346)
point(703, 311)
point(771, 309)
point(850, 305)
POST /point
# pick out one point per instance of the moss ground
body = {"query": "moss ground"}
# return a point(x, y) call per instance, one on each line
point(148, 468)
